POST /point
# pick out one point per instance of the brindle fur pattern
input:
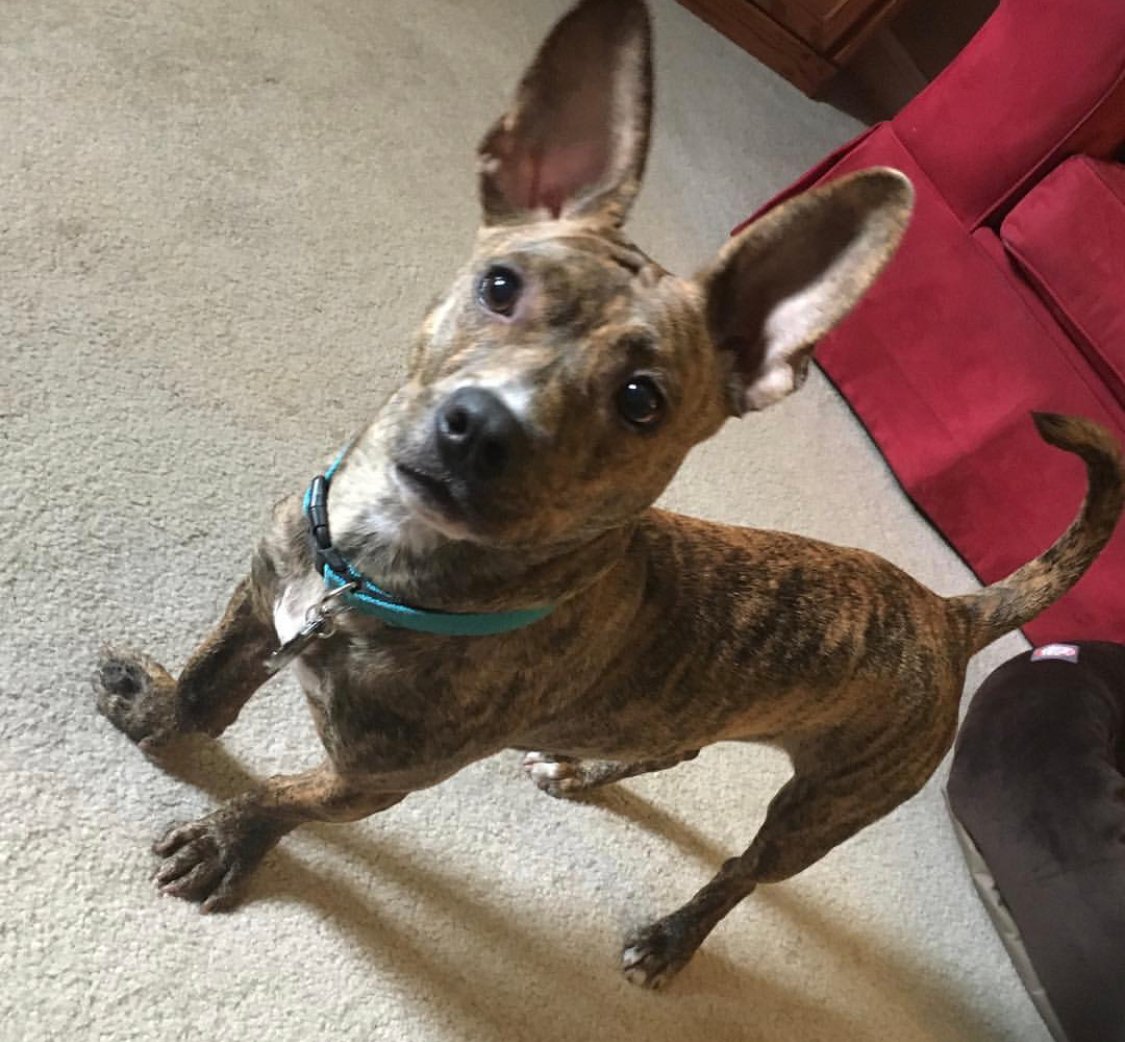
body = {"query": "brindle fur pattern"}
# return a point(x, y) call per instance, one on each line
point(670, 633)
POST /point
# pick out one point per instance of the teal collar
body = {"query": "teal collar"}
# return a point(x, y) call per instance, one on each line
point(367, 598)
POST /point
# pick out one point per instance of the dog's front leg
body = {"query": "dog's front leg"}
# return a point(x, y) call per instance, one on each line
point(142, 699)
point(209, 860)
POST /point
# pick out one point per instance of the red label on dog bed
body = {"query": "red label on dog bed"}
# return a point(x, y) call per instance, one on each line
point(1066, 652)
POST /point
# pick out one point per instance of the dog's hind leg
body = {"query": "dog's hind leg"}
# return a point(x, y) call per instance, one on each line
point(139, 697)
point(209, 860)
point(564, 776)
point(841, 784)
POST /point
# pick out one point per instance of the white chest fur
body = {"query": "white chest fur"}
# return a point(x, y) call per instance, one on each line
point(289, 616)
point(293, 604)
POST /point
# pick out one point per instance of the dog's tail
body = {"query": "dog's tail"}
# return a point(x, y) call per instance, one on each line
point(1016, 600)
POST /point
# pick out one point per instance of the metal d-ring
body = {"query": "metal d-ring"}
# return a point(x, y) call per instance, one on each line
point(323, 610)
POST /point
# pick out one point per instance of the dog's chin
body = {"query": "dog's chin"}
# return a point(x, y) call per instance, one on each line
point(430, 503)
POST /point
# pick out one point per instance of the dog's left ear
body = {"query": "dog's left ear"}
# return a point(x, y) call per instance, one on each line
point(575, 141)
point(787, 279)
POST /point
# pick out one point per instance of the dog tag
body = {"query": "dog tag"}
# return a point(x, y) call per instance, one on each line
point(319, 622)
point(315, 626)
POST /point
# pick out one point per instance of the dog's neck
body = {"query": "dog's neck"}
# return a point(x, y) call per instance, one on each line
point(425, 567)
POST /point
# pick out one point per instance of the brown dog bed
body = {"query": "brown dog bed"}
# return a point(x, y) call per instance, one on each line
point(1037, 792)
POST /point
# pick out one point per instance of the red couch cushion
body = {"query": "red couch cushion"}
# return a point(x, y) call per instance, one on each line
point(1042, 80)
point(1068, 236)
point(943, 361)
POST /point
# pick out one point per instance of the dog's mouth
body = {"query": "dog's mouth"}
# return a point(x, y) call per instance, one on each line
point(449, 504)
point(428, 495)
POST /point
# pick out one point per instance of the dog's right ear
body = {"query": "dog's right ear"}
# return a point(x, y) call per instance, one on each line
point(574, 142)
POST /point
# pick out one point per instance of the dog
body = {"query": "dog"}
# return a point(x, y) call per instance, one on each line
point(482, 567)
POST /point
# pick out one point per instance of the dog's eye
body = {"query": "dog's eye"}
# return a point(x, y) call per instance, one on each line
point(640, 402)
point(499, 290)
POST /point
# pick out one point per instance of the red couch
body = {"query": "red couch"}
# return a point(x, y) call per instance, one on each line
point(1007, 295)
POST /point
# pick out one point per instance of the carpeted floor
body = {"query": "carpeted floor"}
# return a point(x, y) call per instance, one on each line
point(218, 224)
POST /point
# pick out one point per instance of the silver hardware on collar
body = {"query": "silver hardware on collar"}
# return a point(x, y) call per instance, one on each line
point(320, 623)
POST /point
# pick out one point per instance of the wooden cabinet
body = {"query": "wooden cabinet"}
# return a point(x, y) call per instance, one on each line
point(806, 41)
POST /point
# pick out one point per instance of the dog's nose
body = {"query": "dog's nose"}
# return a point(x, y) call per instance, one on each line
point(476, 433)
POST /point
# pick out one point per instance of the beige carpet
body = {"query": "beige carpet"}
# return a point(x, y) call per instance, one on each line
point(219, 221)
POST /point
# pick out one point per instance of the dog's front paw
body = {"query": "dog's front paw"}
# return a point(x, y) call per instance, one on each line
point(654, 955)
point(209, 860)
point(137, 696)
point(558, 776)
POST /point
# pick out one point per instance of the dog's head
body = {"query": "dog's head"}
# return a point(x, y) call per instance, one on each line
point(557, 386)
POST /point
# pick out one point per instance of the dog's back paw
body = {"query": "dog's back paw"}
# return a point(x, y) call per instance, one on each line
point(557, 776)
point(653, 956)
point(566, 778)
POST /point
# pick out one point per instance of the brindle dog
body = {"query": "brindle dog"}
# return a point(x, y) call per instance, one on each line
point(553, 393)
